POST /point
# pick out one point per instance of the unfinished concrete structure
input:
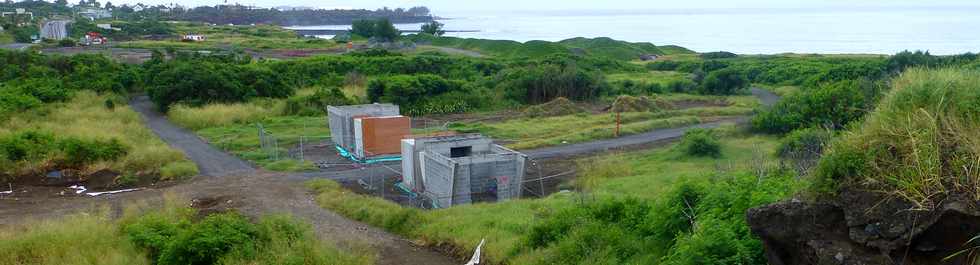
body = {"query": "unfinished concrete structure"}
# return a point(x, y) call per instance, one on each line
point(368, 131)
point(461, 169)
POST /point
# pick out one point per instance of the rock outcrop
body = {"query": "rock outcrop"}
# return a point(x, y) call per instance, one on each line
point(861, 227)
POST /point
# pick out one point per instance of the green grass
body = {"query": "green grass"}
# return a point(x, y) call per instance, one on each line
point(242, 139)
point(642, 174)
point(661, 77)
point(85, 116)
point(79, 239)
point(92, 237)
point(527, 133)
point(598, 47)
point(218, 114)
point(6, 38)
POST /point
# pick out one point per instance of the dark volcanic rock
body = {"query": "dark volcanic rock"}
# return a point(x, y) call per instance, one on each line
point(864, 228)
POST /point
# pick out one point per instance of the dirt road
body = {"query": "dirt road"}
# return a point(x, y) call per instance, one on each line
point(766, 98)
point(211, 161)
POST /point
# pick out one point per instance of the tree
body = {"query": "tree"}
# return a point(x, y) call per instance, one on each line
point(109, 5)
point(434, 28)
point(61, 2)
point(385, 30)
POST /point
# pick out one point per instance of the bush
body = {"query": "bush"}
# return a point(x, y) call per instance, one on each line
point(316, 104)
point(78, 153)
point(804, 143)
point(28, 146)
point(831, 106)
point(718, 55)
point(700, 142)
point(726, 81)
point(67, 43)
point(695, 222)
point(207, 241)
point(179, 170)
point(544, 82)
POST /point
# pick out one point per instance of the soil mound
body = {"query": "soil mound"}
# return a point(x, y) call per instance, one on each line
point(557, 107)
point(639, 104)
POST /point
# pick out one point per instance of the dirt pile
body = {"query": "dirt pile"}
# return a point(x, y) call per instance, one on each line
point(639, 104)
point(902, 188)
point(557, 107)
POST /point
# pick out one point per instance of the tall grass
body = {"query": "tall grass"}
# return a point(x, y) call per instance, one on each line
point(88, 238)
point(94, 238)
point(223, 114)
point(919, 145)
point(85, 116)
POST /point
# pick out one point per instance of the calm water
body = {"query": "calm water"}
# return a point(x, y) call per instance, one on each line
point(941, 30)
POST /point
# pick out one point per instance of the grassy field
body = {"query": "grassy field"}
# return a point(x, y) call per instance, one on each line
point(526, 133)
point(261, 37)
point(6, 38)
point(661, 77)
point(86, 116)
point(93, 238)
point(643, 174)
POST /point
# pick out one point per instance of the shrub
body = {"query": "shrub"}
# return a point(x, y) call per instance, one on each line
point(726, 81)
point(179, 170)
point(78, 153)
point(700, 142)
point(681, 86)
point(207, 241)
point(718, 55)
point(316, 104)
point(803, 143)
point(546, 81)
point(28, 145)
point(831, 105)
point(696, 222)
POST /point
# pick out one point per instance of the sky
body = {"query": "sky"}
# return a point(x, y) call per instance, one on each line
point(451, 6)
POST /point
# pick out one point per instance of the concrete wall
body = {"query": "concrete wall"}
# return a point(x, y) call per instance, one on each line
point(439, 172)
point(440, 145)
point(341, 121)
point(449, 181)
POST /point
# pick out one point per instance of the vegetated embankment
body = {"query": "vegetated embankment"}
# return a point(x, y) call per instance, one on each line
point(901, 188)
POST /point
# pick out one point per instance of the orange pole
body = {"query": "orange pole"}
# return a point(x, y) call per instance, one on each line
point(617, 124)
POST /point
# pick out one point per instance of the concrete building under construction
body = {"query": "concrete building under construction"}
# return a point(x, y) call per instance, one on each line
point(461, 169)
point(368, 132)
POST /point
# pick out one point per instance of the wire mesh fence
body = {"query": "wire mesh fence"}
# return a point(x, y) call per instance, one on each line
point(276, 147)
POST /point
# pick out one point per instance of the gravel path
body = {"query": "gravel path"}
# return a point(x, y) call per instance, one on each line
point(211, 161)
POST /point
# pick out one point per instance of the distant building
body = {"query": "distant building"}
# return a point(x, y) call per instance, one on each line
point(193, 37)
point(95, 13)
point(649, 57)
point(21, 16)
point(55, 29)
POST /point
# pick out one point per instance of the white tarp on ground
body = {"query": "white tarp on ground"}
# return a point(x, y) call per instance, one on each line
point(475, 260)
point(111, 192)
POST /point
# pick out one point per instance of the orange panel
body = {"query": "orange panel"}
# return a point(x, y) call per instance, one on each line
point(383, 135)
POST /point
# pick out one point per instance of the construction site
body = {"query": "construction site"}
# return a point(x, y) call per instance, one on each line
point(435, 170)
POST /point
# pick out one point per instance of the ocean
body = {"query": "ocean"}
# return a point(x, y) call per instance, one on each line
point(878, 30)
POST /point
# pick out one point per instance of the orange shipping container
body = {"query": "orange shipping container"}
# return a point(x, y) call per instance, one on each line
point(382, 135)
